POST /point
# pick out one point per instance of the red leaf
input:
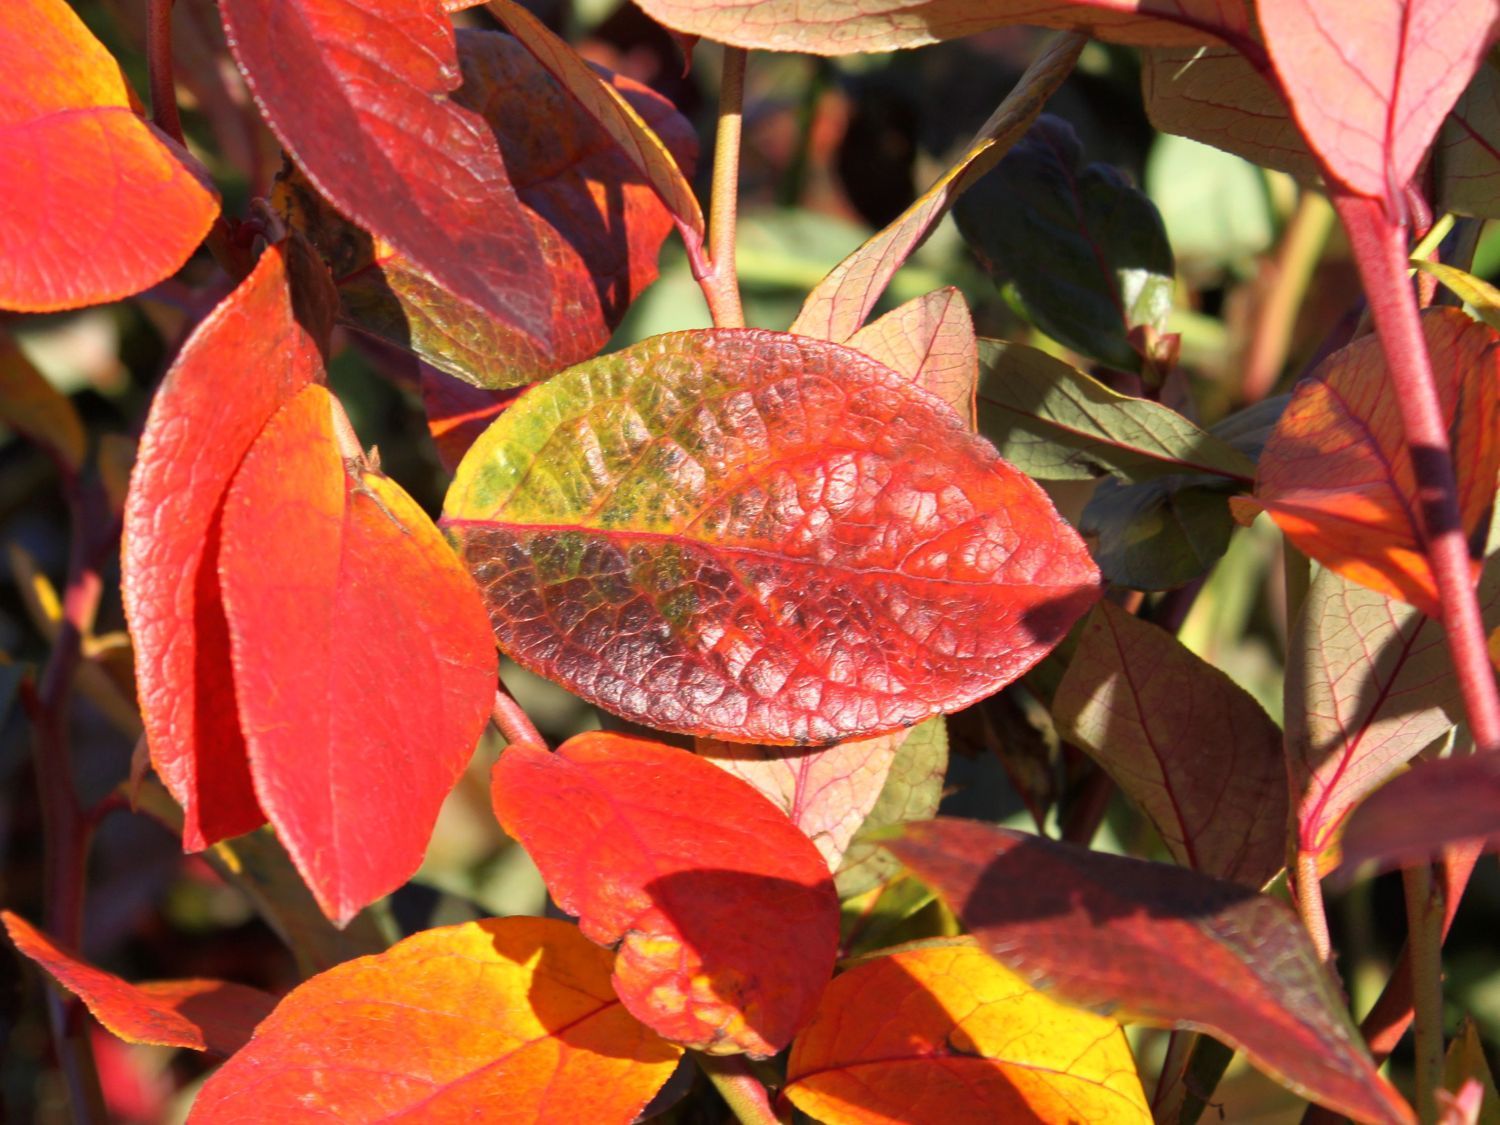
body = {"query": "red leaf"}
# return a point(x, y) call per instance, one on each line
point(358, 94)
point(1417, 815)
point(363, 665)
point(1370, 84)
point(761, 537)
point(263, 340)
point(201, 1015)
point(1161, 943)
point(97, 203)
point(458, 412)
point(726, 914)
point(1336, 474)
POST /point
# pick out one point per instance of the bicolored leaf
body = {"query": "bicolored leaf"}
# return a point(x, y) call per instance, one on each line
point(596, 225)
point(931, 341)
point(359, 95)
point(1369, 84)
point(458, 412)
point(36, 410)
point(838, 305)
point(364, 670)
point(947, 1033)
point(1183, 741)
point(97, 203)
point(913, 790)
point(1084, 248)
point(503, 1019)
point(1416, 816)
point(1337, 476)
point(725, 912)
point(264, 341)
point(202, 1015)
point(1160, 944)
point(760, 537)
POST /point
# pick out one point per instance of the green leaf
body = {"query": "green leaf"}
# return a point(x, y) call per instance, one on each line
point(1466, 156)
point(912, 791)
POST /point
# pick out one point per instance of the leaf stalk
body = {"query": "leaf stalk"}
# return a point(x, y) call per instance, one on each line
point(159, 62)
point(1424, 920)
point(716, 276)
point(741, 1090)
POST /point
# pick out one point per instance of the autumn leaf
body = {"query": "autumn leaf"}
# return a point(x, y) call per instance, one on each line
point(1466, 154)
point(202, 1015)
point(760, 537)
point(1434, 805)
point(98, 204)
point(945, 1032)
point(263, 339)
point(1337, 477)
point(37, 411)
point(931, 341)
point(359, 720)
point(1465, 1062)
point(507, 1018)
point(1160, 944)
point(912, 791)
point(458, 412)
point(725, 912)
point(1183, 741)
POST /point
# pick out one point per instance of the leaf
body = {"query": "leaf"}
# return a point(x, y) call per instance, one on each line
point(201, 1015)
point(931, 341)
point(948, 1033)
point(359, 95)
point(912, 791)
point(1473, 291)
point(597, 225)
point(725, 912)
point(98, 204)
point(825, 792)
point(1337, 477)
point(458, 412)
point(1187, 744)
point(506, 1018)
point(1369, 683)
point(263, 340)
point(760, 537)
point(360, 719)
point(838, 305)
point(1435, 805)
point(1465, 1061)
point(1162, 944)
point(1056, 423)
point(1370, 88)
point(1086, 250)
point(1466, 154)
point(887, 25)
point(36, 410)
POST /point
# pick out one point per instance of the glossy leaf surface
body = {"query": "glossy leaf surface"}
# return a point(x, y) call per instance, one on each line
point(36, 410)
point(359, 95)
point(1414, 817)
point(97, 203)
point(931, 341)
point(725, 912)
point(201, 1015)
point(359, 720)
point(1337, 477)
point(1161, 944)
point(508, 1019)
point(760, 537)
point(1186, 743)
point(264, 339)
point(947, 1033)
point(912, 791)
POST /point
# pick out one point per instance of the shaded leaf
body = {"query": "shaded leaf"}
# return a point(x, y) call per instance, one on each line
point(1161, 944)
point(1466, 154)
point(760, 537)
point(1434, 805)
point(202, 1015)
point(1465, 1061)
point(1085, 249)
point(725, 913)
point(1183, 741)
point(98, 204)
point(507, 1018)
point(887, 914)
point(36, 410)
point(1337, 476)
point(931, 341)
point(358, 94)
point(360, 720)
point(838, 305)
point(912, 791)
point(458, 412)
point(264, 340)
point(948, 1033)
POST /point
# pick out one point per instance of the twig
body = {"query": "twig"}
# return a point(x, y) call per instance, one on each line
point(513, 722)
point(159, 60)
point(1291, 273)
point(1310, 906)
point(715, 273)
point(1425, 939)
point(739, 1087)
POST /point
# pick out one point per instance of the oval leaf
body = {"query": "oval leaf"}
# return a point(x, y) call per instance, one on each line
point(931, 341)
point(725, 913)
point(948, 1033)
point(364, 670)
point(508, 1018)
point(263, 340)
point(1416, 816)
point(97, 203)
point(913, 790)
point(760, 537)
point(1161, 943)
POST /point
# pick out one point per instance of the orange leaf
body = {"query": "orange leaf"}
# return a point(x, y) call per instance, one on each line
point(1336, 475)
point(35, 408)
point(505, 1019)
point(947, 1033)
point(931, 341)
point(726, 913)
point(364, 666)
point(201, 1015)
point(97, 203)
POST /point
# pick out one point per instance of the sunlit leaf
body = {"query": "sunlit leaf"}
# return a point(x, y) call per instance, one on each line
point(36, 410)
point(913, 789)
point(931, 341)
point(458, 412)
point(1473, 291)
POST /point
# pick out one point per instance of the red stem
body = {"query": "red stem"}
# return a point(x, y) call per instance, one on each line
point(159, 60)
point(513, 722)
